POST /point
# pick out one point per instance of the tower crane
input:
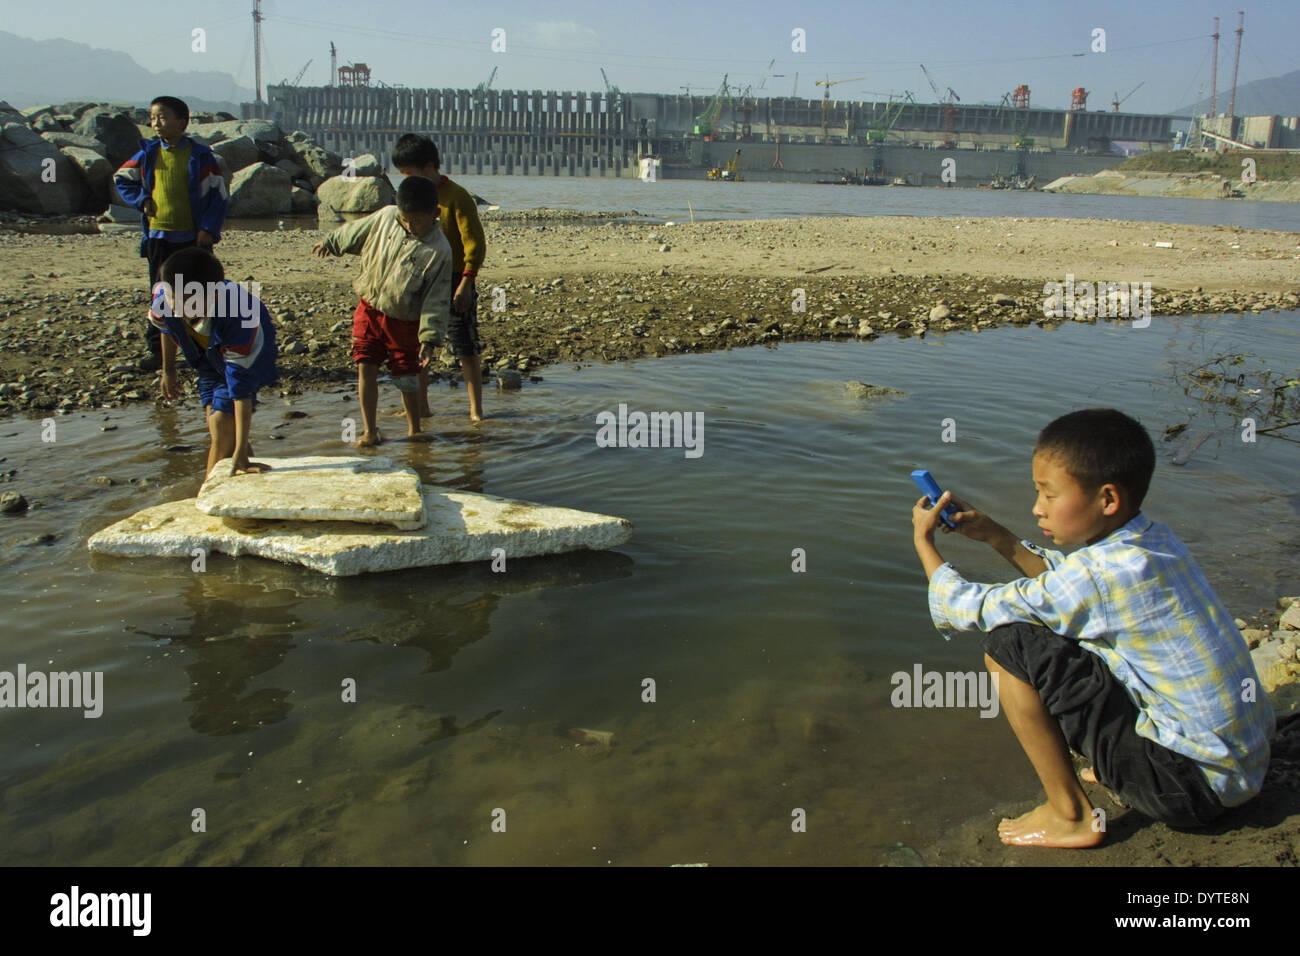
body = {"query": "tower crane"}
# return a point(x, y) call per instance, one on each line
point(1117, 101)
point(826, 101)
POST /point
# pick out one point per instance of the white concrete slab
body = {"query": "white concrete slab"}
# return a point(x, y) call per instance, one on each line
point(460, 527)
point(373, 490)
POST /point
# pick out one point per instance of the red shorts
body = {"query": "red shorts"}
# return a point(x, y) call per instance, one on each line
point(377, 338)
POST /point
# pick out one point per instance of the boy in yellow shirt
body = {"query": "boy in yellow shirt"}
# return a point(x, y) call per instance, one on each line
point(458, 214)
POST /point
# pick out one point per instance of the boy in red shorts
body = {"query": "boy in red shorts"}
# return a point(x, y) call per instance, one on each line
point(405, 297)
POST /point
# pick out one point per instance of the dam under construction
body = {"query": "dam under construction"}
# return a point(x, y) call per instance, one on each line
point(608, 133)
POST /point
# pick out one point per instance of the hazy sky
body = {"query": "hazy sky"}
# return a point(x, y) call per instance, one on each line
point(982, 48)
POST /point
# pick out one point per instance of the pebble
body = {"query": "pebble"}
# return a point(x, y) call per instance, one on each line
point(509, 379)
point(12, 503)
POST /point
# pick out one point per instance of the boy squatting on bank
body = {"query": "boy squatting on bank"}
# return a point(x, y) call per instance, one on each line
point(1121, 651)
point(404, 291)
point(226, 335)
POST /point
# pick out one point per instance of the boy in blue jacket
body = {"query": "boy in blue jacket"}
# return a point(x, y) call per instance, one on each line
point(226, 335)
point(177, 184)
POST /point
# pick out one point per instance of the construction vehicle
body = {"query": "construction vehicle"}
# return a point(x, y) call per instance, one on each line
point(729, 173)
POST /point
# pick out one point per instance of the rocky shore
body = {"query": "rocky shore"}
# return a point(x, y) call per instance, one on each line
point(1203, 185)
point(564, 290)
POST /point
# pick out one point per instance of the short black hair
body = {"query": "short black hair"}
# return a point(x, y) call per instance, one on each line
point(1099, 446)
point(413, 149)
point(178, 106)
point(417, 194)
point(193, 265)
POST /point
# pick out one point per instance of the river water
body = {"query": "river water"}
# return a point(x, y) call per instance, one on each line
point(679, 199)
point(222, 688)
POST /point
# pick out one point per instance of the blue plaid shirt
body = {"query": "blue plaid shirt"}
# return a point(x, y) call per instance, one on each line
point(1139, 601)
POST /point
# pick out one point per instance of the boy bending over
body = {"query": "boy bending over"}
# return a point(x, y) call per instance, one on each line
point(1121, 651)
point(226, 335)
point(405, 296)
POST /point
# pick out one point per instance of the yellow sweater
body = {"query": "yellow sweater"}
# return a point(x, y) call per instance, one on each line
point(458, 215)
point(171, 189)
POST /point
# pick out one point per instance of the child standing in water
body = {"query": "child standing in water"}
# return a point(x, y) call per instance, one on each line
point(405, 297)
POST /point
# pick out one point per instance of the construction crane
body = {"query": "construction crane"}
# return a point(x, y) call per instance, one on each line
point(334, 65)
point(481, 90)
point(949, 110)
point(826, 101)
point(1117, 101)
point(297, 79)
point(877, 135)
point(706, 124)
point(612, 93)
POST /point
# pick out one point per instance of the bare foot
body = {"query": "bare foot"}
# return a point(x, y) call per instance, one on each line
point(1088, 775)
point(370, 439)
point(1043, 826)
point(417, 435)
point(476, 417)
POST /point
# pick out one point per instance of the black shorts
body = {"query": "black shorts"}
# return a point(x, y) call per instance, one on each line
point(462, 331)
point(1098, 719)
point(156, 252)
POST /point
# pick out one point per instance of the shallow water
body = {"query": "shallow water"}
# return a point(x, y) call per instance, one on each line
point(222, 688)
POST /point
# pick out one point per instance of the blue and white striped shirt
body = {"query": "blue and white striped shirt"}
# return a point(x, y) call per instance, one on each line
point(1139, 601)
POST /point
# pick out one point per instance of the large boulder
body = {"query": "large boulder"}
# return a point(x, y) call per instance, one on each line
point(258, 131)
point(318, 162)
point(293, 169)
point(366, 165)
point(64, 140)
point(260, 190)
point(34, 111)
point(10, 115)
point(237, 153)
point(75, 108)
point(96, 171)
point(362, 194)
point(46, 123)
point(35, 177)
point(302, 201)
point(115, 130)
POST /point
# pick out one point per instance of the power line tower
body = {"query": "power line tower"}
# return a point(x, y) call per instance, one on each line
point(257, 51)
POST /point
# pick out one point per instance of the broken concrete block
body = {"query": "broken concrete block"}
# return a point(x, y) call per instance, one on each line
point(373, 490)
point(459, 527)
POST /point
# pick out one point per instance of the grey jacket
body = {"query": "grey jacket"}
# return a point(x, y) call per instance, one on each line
point(403, 277)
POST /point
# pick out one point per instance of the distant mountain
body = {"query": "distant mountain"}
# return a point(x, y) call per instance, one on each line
point(1276, 95)
point(37, 72)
